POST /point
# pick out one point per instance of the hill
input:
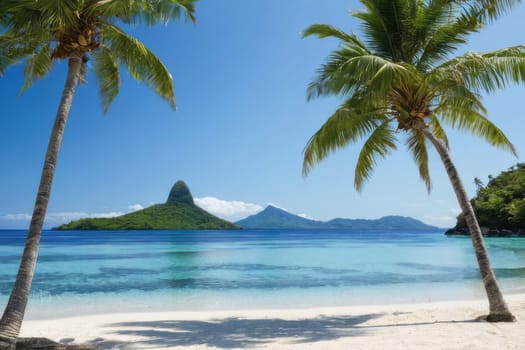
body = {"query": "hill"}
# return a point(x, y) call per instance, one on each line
point(391, 222)
point(178, 213)
point(275, 218)
point(272, 217)
point(499, 206)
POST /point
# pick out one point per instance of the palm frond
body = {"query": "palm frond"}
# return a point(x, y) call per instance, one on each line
point(462, 109)
point(145, 11)
point(352, 67)
point(348, 124)
point(487, 10)
point(382, 26)
point(324, 31)
point(489, 71)
point(166, 10)
point(17, 47)
point(10, 52)
point(380, 144)
point(438, 130)
point(56, 25)
point(38, 65)
point(452, 90)
point(416, 144)
point(387, 74)
point(141, 63)
point(59, 15)
point(445, 39)
point(332, 78)
point(466, 119)
point(108, 75)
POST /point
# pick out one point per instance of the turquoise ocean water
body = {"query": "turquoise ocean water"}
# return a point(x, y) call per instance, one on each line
point(124, 271)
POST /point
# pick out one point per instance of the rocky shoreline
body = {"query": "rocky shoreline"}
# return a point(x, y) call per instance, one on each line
point(487, 232)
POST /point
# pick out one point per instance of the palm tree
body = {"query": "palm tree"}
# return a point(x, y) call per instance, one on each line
point(400, 81)
point(38, 33)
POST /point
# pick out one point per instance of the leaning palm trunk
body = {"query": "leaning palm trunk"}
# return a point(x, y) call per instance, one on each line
point(498, 310)
point(14, 313)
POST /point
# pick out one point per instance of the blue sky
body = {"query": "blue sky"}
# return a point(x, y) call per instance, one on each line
point(237, 137)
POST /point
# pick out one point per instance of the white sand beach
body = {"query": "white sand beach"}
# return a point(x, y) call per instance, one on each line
point(435, 325)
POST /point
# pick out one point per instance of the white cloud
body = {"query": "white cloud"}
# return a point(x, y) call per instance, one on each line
point(53, 219)
point(455, 211)
point(16, 217)
point(135, 207)
point(59, 218)
point(228, 210)
point(440, 220)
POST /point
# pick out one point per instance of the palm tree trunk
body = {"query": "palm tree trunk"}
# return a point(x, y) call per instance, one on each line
point(14, 312)
point(498, 309)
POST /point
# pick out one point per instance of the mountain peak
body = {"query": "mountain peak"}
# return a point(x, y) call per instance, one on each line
point(178, 213)
point(271, 207)
point(276, 218)
point(180, 193)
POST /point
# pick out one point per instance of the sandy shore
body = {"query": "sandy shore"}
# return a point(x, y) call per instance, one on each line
point(437, 325)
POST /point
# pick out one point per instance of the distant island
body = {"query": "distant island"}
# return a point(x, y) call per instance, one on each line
point(275, 218)
point(499, 206)
point(178, 213)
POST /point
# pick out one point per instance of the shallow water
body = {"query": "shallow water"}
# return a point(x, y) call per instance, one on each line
point(86, 272)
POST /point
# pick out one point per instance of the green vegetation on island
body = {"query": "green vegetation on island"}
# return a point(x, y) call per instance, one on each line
point(178, 213)
point(276, 218)
point(499, 205)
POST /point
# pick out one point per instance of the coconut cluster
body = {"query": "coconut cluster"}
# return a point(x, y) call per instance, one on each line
point(82, 39)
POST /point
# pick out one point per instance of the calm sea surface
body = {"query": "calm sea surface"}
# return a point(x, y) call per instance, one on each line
point(114, 271)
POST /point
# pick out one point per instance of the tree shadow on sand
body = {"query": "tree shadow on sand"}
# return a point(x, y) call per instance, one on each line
point(237, 332)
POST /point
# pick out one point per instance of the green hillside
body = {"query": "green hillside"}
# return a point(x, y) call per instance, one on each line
point(276, 218)
point(500, 205)
point(178, 213)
